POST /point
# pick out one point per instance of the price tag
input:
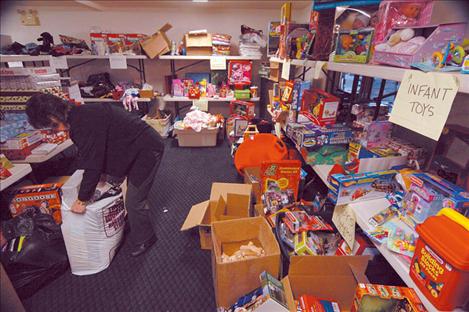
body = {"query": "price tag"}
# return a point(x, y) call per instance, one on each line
point(117, 61)
point(15, 64)
point(201, 104)
point(217, 63)
point(423, 102)
point(286, 70)
point(59, 62)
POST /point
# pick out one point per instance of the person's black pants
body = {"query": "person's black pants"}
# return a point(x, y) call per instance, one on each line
point(136, 202)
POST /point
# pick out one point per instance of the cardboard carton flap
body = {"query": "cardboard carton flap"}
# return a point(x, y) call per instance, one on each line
point(222, 189)
point(328, 265)
point(165, 27)
point(195, 216)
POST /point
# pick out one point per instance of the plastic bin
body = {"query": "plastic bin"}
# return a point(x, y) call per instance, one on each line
point(162, 126)
point(440, 266)
point(191, 138)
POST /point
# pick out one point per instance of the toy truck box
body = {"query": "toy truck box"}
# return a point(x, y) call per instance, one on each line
point(320, 107)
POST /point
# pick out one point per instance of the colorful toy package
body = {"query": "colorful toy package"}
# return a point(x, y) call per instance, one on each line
point(280, 176)
point(239, 72)
point(371, 297)
point(298, 90)
point(325, 155)
point(374, 134)
point(353, 46)
point(47, 197)
point(345, 189)
point(430, 193)
point(320, 107)
point(309, 303)
point(311, 135)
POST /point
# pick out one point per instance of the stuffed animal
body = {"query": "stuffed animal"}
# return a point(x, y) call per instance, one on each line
point(47, 42)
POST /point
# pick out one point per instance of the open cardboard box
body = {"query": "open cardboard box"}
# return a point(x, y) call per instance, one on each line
point(234, 279)
point(198, 44)
point(205, 213)
point(158, 43)
point(252, 176)
point(328, 277)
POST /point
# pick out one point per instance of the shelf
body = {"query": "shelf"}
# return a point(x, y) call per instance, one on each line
point(98, 100)
point(24, 58)
point(206, 57)
point(377, 71)
point(103, 57)
point(29, 58)
point(35, 159)
point(364, 210)
point(323, 172)
point(17, 172)
point(169, 98)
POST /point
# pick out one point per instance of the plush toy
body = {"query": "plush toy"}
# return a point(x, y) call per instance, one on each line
point(402, 41)
point(47, 42)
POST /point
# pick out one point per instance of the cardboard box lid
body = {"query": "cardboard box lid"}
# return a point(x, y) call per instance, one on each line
point(236, 206)
point(222, 189)
point(203, 40)
point(165, 28)
point(196, 215)
point(334, 277)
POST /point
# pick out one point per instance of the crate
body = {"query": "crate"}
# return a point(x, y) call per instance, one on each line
point(191, 138)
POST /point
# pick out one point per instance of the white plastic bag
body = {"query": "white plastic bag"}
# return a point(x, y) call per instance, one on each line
point(92, 239)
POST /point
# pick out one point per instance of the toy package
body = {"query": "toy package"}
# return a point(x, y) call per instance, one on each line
point(242, 108)
point(116, 43)
point(353, 46)
point(281, 175)
point(320, 107)
point(54, 137)
point(177, 87)
point(345, 189)
point(298, 90)
point(99, 44)
point(47, 197)
point(374, 134)
point(371, 297)
point(310, 135)
point(307, 303)
point(383, 216)
point(239, 72)
point(402, 241)
point(325, 155)
point(276, 200)
point(132, 44)
point(429, 194)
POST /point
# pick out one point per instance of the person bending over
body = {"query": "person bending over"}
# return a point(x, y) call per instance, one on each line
point(110, 141)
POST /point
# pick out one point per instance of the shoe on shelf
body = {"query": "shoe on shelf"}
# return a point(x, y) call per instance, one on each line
point(139, 249)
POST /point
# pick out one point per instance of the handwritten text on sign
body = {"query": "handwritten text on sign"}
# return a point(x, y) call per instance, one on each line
point(424, 101)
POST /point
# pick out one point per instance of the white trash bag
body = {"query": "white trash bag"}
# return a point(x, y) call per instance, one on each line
point(92, 238)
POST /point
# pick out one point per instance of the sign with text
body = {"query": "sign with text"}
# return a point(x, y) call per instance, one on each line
point(217, 63)
point(286, 70)
point(15, 64)
point(344, 220)
point(424, 101)
point(117, 61)
point(201, 104)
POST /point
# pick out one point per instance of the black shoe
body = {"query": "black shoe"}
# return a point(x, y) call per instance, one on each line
point(137, 250)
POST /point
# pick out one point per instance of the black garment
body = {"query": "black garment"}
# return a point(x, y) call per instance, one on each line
point(109, 139)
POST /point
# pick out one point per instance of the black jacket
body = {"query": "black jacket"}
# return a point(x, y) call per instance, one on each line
point(108, 140)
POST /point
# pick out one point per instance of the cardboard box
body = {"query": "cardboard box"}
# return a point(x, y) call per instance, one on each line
point(252, 176)
point(158, 43)
point(200, 214)
point(198, 44)
point(234, 279)
point(332, 277)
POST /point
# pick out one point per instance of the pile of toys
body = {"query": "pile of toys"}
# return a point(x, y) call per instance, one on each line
point(116, 43)
point(198, 120)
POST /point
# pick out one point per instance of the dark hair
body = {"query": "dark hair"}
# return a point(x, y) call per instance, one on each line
point(42, 106)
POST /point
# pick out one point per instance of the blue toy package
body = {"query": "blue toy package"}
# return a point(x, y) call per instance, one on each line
point(298, 89)
point(311, 135)
point(345, 189)
point(429, 194)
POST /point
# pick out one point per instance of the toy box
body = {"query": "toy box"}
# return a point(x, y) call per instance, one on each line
point(239, 72)
point(47, 197)
point(280, 175)
point(417, 44)
point(386, 298)
point(361, 159)
point(362, 246)
point(440, 266)
point(298, 90)
point(403, 13)
point(374, 134)
point(429, 193)
point(242, 94)
point(132, 44)
point(115, 43)
point(177, 87)
point(310, 135)
point(320, 106)
point(242, 108)
point(353, 46)
point(325, 155)
point(345, 189)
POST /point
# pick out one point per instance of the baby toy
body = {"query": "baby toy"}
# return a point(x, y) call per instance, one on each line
point(130, 99)
point(452, 54)
point(353, 45)
point(401, 242)
point(402, 41)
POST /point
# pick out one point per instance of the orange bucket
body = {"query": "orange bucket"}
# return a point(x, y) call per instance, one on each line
point(440, 266)
point(258, 148)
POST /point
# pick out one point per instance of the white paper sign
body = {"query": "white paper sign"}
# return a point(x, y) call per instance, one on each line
point(201, 104)
point(344, 220)
point(286, 70)
point(424, 101)
point(117, 61)
point(217, 63)
point(318, 69)
point(59, 62)
point(74, 93)
point(15, 64)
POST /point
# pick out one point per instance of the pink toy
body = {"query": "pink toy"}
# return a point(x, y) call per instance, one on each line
point(401, 13)
point(419, 49)
point(211, 90)
point(239, 72)
point(177, 87)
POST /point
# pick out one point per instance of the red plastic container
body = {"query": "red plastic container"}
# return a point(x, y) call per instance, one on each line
point(440, 266)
